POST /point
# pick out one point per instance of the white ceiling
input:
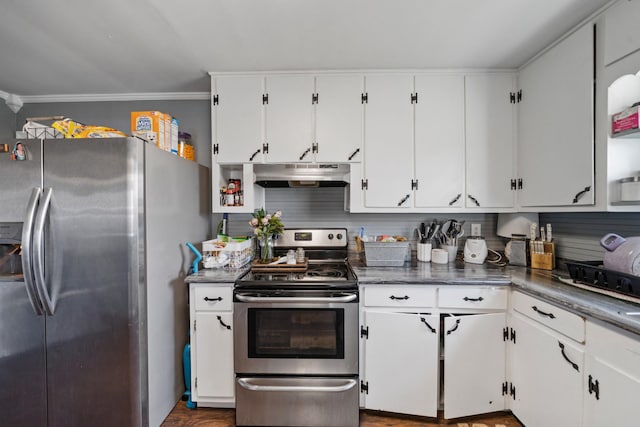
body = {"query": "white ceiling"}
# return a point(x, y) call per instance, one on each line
point(67, 47)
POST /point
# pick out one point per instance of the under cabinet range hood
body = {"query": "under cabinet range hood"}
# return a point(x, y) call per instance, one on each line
point(301, 175)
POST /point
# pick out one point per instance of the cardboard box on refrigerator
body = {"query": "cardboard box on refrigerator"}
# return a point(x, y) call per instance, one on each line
point(150, 126)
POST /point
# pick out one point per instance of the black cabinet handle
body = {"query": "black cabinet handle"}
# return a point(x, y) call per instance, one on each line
point(395, 297)
point(473, 299)
point(423, 320)
point(455, 327)
point(455, 199)
point(222, 323)
point(254, 154)
point(594, 387)
point(307, 151)
point(404, 199)
point(575, 365)
point(354, 154)
point(542, 313)
point(212, 299)
point(578, 196)
point(473, 199)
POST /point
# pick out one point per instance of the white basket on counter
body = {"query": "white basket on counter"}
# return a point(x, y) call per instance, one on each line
point(384, 253)
point(234, 253)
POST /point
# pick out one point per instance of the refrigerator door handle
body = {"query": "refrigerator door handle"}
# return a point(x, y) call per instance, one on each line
point(27, 234)
point(38, 251)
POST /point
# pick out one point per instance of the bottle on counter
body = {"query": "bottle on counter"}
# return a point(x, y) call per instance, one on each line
point(223, 233)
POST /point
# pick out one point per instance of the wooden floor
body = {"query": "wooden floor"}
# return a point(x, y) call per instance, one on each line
point(210, 417)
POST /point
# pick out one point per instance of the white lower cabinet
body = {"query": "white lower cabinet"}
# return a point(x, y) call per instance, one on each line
point(417, 357)
point(612, 377)
point(401, 362)
point(546, 375)
point(474, 364)
point(212, 373)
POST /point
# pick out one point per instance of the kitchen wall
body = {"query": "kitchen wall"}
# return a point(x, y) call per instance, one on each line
point(577, 234)
point(7, 121)
point(194, 117)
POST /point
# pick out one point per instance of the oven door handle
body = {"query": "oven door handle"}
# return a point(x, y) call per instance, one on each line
point(249, 384)
point(294, 299)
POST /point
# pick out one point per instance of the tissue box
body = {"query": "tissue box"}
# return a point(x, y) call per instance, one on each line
point(625, 120)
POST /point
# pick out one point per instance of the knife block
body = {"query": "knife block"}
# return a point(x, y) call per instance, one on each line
point(546, 260)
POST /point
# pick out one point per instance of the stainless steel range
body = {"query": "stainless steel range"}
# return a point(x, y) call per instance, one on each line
point(296, 337)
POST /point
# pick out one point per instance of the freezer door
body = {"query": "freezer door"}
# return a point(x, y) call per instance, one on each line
point(22, 350)
point(18, 178)
point(92, 274)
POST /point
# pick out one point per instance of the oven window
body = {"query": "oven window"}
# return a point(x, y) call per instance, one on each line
point(296, 333)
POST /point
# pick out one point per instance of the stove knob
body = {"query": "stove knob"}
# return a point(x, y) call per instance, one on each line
point(330, 236)
point(339, 236)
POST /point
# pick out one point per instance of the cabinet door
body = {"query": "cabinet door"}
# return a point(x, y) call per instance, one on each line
point(213, 346)
point(401, 362)
point(555, 147)
point(473, 378)
point(621, 36)
point(490, 140)
point(388, 144)
point(289, 118)
point(339, 118)
point(237, 118)
point(439, 141)
point(610, 401)
point(547, 385)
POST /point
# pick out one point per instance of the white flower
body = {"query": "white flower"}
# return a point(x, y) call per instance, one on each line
point(253, 222)
point(277, 214)
point(265, 221)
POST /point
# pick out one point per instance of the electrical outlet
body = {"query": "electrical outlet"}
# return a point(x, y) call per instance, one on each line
point(476, 229)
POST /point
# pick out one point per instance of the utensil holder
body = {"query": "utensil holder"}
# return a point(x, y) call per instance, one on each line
point(545, 260)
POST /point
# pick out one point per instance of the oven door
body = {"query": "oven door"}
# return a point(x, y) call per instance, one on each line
point(296, 332)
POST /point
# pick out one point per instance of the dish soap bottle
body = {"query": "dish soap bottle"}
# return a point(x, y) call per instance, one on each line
point(222, 233)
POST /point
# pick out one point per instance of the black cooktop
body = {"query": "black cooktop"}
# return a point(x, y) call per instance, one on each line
point(318, 275)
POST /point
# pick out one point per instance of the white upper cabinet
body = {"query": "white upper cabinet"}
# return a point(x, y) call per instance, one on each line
point(439, 141)
point(289, 118)
point(339, 118)
point(237, 118)
point(621, 35)
point(556, 136)
point(388, 159)
point(489, 141)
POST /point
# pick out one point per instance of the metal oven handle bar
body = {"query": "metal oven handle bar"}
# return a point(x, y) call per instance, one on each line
point(248, 383)
point(340, 299)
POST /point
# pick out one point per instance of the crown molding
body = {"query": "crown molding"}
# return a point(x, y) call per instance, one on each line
point(106, 97)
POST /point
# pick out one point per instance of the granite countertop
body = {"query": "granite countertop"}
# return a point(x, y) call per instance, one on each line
point(539, 283)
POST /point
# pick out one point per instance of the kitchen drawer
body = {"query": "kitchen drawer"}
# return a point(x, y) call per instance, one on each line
point(472, 297)
point(400, 296)
point(213, 298)
point(560, 320)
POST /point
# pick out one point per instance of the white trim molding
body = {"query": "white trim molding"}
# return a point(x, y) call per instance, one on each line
point(105, 97)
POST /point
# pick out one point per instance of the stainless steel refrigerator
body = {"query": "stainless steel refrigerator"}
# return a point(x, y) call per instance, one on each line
point(93, 311)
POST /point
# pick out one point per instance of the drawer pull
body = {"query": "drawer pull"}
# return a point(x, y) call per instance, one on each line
point(222, 323)
point(399, 298)
point(423, 320)
point(594, 387)
point(575, 365)
point(473, 299)
point(454, 327)
point(542, 313)
point(212, 299)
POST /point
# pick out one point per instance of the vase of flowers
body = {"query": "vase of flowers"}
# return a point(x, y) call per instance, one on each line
point(266, 227)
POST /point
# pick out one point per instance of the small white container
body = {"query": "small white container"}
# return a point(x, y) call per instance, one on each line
point(439, 256)
point(423, 252)
point(630, 189)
